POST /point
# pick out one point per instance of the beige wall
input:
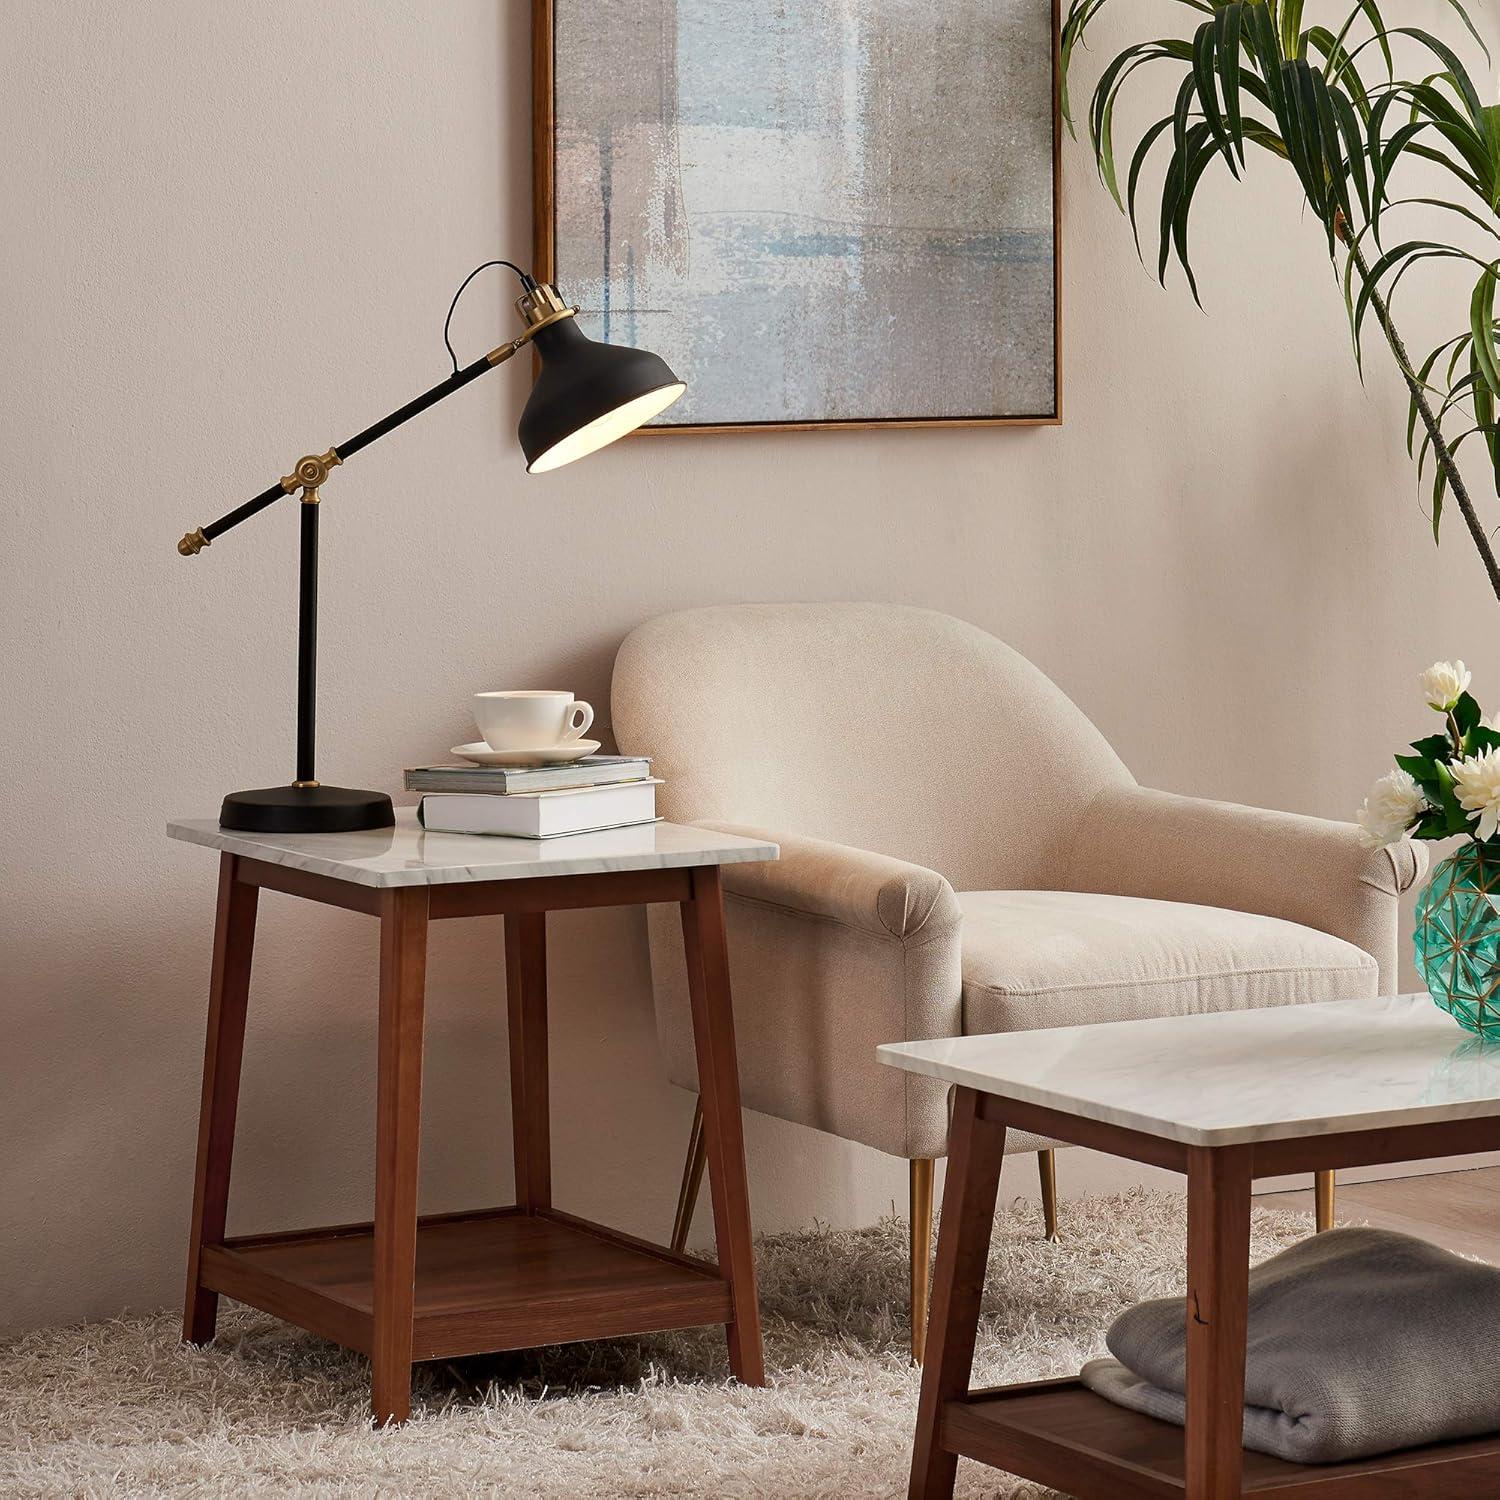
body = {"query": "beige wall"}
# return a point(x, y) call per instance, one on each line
point(229, 235)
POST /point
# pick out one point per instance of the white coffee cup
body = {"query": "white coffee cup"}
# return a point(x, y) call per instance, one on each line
point(530, 720)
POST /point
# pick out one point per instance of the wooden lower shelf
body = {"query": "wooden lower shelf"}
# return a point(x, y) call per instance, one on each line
point(496, 1279)
point(1061, 1434)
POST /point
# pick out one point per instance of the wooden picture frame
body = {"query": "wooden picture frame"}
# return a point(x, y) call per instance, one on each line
point(545, 256)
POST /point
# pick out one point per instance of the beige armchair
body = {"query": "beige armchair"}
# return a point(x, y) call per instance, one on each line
point(961, 853)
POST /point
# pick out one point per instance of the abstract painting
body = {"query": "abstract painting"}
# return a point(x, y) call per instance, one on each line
point(819, 212)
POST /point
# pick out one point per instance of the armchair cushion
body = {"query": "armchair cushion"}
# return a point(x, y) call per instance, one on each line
point(1065, 958)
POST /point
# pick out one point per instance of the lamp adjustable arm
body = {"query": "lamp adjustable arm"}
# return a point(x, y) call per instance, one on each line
point(311, 471)
point(540, 306)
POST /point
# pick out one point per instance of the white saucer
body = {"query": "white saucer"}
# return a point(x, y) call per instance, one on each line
point(480, 754)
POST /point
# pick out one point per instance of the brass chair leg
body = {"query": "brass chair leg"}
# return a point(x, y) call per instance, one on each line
point(1047, 1166)
point(692, 1180)
point(920, 1208)
point(1323, 1199)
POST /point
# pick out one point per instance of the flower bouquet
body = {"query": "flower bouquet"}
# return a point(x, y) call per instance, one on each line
point(1449, 787)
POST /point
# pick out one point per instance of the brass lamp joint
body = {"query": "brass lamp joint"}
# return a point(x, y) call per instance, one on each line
point(539, 306)
point(504, 352)
point(193, 543)
point(310, 473)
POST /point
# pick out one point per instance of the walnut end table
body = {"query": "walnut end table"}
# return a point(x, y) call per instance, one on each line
point(1224, 1098)
point(402, 1288)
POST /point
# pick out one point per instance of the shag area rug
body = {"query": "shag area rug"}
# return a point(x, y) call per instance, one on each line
point(123, 1409)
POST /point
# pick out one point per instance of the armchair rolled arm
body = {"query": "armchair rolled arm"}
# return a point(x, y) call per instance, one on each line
point(874, 893)
point(1137, 842)
point(832, 951)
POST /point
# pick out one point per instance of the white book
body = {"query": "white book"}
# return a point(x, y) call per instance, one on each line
point(541, 815)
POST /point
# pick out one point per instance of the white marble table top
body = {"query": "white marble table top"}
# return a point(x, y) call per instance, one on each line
point(1237, 1076)
point(408, 855)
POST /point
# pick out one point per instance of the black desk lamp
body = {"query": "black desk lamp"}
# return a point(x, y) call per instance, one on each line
point(586, 395)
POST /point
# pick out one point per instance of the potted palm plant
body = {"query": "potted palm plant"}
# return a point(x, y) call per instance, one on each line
point(1325, 97)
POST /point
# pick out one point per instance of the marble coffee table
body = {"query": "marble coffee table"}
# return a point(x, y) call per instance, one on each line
point(1224, 1098)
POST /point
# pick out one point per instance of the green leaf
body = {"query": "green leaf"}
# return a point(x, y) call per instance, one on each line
point(1354, 146)
point(1431, 825)
point(1484, 414)
point(1482, 326)
point(1267, 51)
point(1142, 151)
point(1466, 713)
point(1418, 767)
point(1436, 747)
point(1229, 27)
point(1291, 27)
point(1457, 73)
point(1372, 13)
point(1454, 815)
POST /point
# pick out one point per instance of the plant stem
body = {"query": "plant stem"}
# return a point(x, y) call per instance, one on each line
point(1424, 407)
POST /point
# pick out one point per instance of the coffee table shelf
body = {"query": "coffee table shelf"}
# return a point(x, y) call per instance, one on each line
point(490, 1280)
point(1224, 1098)
point(1062, 1434)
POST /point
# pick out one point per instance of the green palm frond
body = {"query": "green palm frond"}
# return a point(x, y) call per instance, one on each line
point(1327, 100)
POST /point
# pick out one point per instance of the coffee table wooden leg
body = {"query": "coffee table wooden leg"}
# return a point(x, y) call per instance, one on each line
point(976, 1148)
point(1218, 1288)
point(723, 1133)
point(526, 1000)
point(403, 977)
point(229, 990)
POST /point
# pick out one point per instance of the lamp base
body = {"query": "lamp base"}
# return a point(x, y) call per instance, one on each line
point(306, 809)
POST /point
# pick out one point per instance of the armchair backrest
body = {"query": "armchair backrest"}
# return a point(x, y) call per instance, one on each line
point(893, 729)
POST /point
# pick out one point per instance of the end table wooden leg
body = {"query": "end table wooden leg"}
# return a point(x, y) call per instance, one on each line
point(1218, 1288)
point(526, 1003)
point(403, 978)
point(229, 989)
point(976, 1148)
point(723, 1132)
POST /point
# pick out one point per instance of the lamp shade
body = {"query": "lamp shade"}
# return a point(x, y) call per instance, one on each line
point(588, 394)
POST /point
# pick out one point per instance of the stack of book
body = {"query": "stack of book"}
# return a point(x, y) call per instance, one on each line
point(536, 802)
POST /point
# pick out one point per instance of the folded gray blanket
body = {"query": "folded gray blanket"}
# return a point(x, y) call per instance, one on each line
point(1361, 1341)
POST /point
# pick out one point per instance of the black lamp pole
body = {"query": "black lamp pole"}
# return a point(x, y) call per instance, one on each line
point(307, 649)
point(586, 395)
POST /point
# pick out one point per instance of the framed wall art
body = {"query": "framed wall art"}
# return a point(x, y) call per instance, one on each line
point(821, 213)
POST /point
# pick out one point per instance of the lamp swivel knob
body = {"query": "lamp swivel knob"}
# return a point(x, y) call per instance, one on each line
point(193, 543)
point(309, 473)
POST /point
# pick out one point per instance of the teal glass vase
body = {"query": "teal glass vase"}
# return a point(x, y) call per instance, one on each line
point(1458, 938)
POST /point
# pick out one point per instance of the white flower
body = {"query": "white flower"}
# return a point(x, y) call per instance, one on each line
point(1394, 804)
point(1477, 784)
point(1443, 683)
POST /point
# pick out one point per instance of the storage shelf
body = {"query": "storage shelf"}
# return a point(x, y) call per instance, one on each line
point(490, 1280)
point(1060, 1433)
